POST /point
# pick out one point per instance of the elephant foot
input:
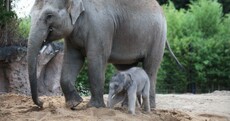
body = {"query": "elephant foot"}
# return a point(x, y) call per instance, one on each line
point(124, 104)
point(72, 104)
point(152, 103)
point(96, 103)
point(40, 104)
point(131, 112)
point(147, 110)
point(73, 100)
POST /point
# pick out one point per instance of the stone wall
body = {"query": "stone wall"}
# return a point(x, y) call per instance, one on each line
point(14, 73)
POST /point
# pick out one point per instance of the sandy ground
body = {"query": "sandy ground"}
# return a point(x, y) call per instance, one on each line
point(170, 107)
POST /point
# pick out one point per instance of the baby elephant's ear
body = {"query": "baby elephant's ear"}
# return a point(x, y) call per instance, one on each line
point(129, 81)
point(130, 77)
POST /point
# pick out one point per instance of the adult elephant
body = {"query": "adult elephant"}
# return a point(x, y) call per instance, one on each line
point(122, 32)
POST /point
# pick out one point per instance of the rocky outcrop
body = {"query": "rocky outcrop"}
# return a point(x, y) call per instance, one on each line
point(14, 73)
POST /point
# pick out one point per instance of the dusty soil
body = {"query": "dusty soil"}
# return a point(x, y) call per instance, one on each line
point(170, 107)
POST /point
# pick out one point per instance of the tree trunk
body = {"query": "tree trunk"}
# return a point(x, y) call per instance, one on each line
point(8, 8)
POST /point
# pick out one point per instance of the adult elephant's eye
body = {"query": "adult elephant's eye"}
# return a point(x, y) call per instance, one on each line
point(50, 29)
point(49, 18)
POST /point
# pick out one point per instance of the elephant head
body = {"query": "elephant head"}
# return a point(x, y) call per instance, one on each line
point(50, 20)
point(118, 87)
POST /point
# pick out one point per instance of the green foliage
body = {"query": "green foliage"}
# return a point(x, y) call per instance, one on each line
point(207, 15)
point(5, 15)
point(82, 84)
point(200, 38)
point(12, 32)
point(24, 27)
point(110, 71)
point(15, 32)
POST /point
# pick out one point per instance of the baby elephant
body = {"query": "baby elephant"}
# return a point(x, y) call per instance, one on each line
point(132, 83)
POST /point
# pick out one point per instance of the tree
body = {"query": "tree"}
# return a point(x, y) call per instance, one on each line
point(6, 12)
point(7, 24)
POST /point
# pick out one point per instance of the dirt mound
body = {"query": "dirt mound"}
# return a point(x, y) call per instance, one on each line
point(18, 107)
point(220, 93)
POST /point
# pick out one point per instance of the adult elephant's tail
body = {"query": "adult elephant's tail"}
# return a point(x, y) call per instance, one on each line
point(173, 55)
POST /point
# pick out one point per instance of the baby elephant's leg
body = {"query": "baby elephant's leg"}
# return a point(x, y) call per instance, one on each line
point(145, 97)
point(138, 102)
point(132, 99)
point(125, 102)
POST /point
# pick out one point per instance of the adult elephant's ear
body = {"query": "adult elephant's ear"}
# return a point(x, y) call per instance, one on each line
point(75, 8)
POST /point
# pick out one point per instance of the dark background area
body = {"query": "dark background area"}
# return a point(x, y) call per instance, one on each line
point(185, 4)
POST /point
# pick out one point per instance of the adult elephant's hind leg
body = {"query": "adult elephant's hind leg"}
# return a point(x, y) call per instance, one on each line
point(72, 64)
point(151, 66)
point(152, 62)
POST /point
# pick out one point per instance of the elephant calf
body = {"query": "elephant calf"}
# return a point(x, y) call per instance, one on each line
point(132, 83)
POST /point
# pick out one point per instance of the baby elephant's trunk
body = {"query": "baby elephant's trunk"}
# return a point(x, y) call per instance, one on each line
point(109, 102)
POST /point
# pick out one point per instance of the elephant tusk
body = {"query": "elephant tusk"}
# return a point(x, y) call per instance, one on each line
point(50, 29)
point(43, 49)
point(113, 96)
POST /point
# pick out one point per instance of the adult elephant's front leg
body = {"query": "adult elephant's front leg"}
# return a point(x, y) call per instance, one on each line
point(72, 64)
point(96, 66)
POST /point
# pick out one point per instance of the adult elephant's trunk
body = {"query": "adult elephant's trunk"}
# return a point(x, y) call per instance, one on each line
point(36, 37)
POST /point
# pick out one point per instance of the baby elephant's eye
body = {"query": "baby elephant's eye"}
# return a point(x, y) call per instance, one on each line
point(49, 16)
point(116, 86)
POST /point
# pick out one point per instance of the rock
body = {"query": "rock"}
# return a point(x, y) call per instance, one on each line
point(4, 83)
point(49, 71)
point(14, 73)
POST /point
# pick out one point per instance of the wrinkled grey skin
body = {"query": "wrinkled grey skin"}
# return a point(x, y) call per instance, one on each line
point(122, 32)
point(132, 83)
